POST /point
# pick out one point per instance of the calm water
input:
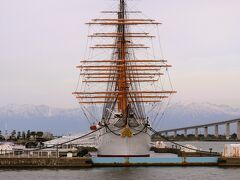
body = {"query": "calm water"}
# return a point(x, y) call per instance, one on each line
point(141, 173)
point(150, 173)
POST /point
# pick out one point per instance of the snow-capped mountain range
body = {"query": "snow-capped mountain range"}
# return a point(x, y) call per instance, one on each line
point(65, 121)
point(189, 114)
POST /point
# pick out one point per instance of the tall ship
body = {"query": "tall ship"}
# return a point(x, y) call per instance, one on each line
point(124, 83)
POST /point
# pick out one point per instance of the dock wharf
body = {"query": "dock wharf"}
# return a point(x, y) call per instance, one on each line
point(21, 162)
point(91, 162)
point(229, 162)
point(46, 160)
point(183, 153)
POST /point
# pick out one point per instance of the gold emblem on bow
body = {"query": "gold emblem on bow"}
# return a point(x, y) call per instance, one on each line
point(126, 132)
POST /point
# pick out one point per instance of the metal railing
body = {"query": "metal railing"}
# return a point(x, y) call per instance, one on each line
point(28, 154)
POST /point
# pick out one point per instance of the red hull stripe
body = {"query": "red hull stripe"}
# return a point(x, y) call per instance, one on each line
point(146, 155)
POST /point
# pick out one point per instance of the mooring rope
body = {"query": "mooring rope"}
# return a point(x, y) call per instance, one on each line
point(180, 145)
point(151, 129)
point(60, 144)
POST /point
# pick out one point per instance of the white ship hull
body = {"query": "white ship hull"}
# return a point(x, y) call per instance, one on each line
point(111, 145)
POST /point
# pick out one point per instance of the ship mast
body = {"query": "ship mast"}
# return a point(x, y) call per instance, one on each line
point(124, 78)
point(122, 85)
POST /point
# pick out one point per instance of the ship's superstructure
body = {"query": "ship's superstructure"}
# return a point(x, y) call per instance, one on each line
point(122, 83)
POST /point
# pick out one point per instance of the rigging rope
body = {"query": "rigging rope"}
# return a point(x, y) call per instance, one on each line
point(163, 112)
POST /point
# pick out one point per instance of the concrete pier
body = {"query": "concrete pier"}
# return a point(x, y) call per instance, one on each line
point(196, 132)
point(24, 163)
point(227, 130)
point(238, 130)
point(206, 132)
point(45, 162)
point(59, 163)
point(216, 131)
point(175, 133)
point(229, 162)
point(185, 132)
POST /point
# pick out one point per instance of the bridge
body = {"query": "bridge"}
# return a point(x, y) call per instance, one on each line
point(206, 127)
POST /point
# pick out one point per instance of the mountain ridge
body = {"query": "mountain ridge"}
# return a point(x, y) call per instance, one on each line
point(64, 121)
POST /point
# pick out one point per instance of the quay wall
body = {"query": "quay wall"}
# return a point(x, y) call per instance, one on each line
point(45, 162)
point(229, 162)
point(115, 162)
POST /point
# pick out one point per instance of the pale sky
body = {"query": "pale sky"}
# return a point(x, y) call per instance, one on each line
point(41, 42)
